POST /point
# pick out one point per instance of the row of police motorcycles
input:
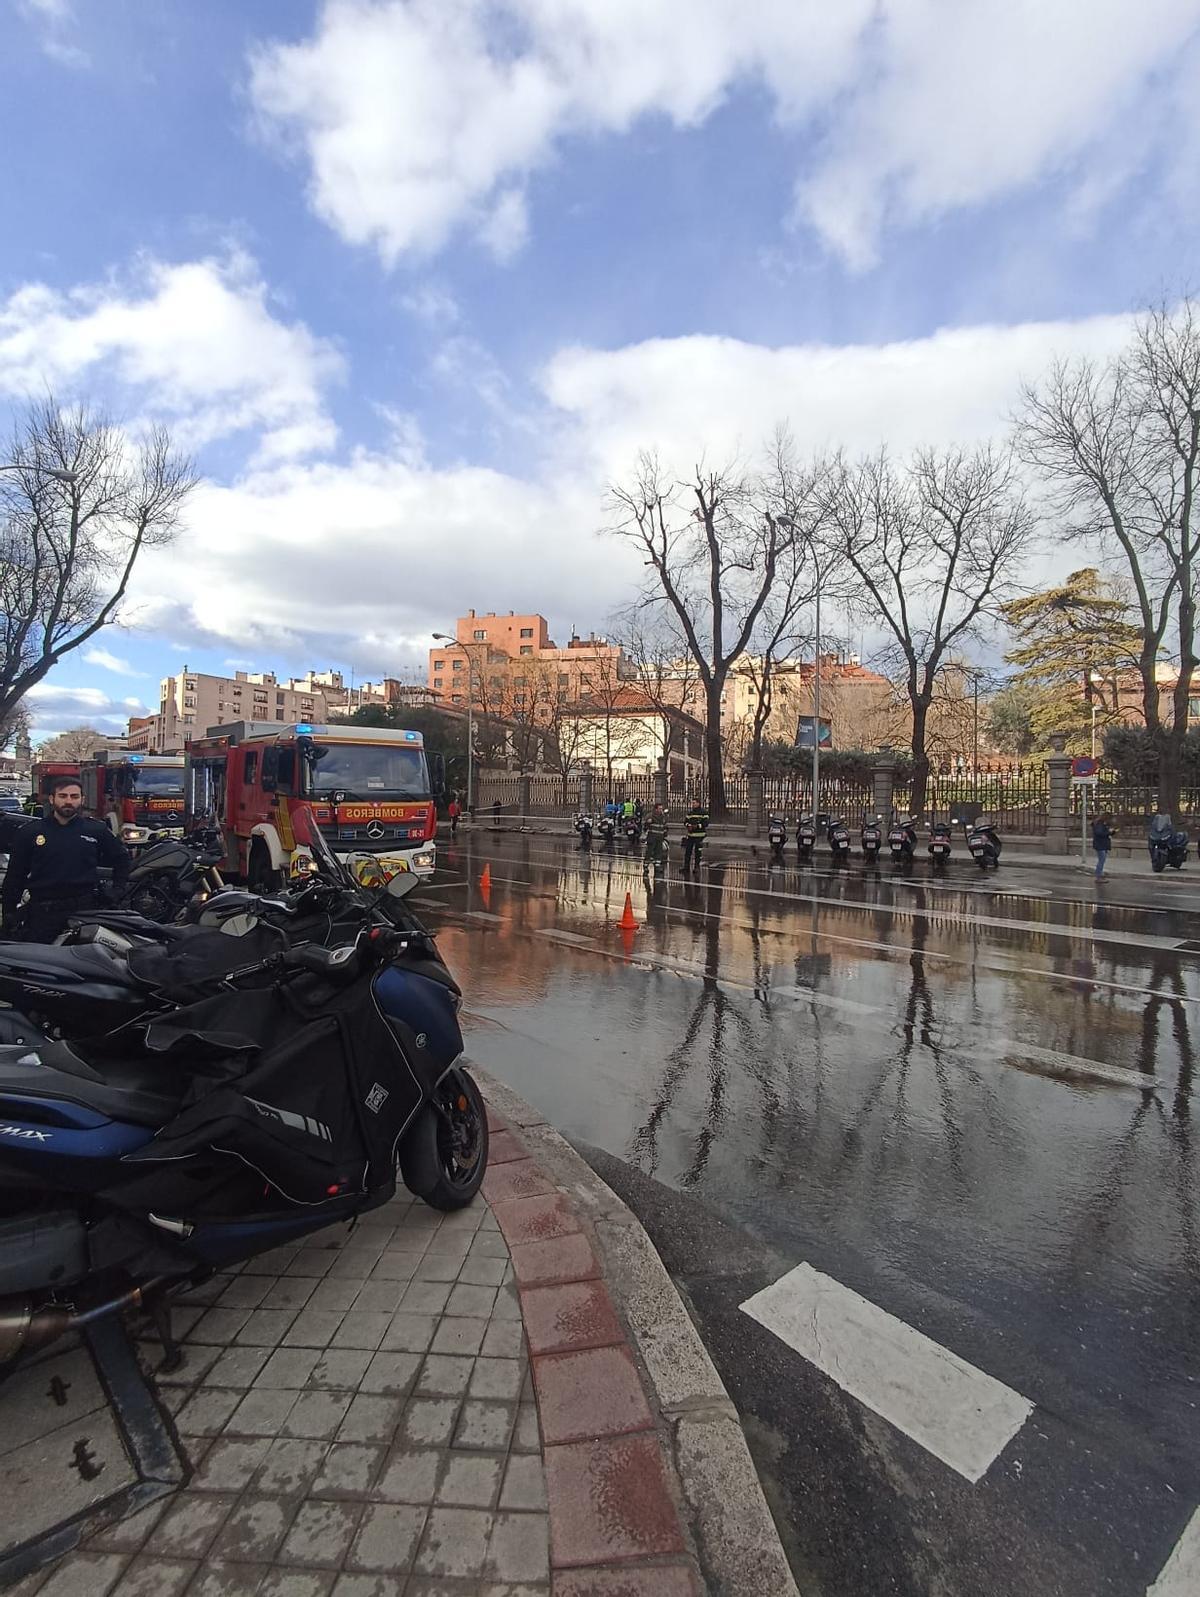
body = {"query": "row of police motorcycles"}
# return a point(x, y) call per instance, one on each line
point(182, 1091)
point(900, 838)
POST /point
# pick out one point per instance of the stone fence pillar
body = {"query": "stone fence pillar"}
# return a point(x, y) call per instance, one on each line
point(1058, 824)
point(883, 781)
point(754, 808)
point(523, 796)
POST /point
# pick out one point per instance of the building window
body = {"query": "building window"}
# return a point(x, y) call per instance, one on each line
point(279, 698)
point(495, 682)
point(456, 665)
point(479, 637)
point(189, 720)
point(439, 665)
point(519, 682)
point(519, 700)
point(439, 682)
point(456, 698)
point(190, 685)
point(527, 632)
point(279, 715)
point(527, 648)
point(564, 679)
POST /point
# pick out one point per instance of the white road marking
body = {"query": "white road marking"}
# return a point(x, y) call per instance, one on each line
point(955, 1411)
point(1069, 1064)
point(1180, 1575)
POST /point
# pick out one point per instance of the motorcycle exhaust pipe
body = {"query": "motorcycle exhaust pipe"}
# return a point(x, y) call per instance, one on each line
point(25, 1330)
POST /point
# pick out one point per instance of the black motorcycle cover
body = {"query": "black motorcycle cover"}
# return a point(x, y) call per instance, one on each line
point(316, 1108)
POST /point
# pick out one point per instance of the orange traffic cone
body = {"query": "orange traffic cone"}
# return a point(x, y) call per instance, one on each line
point(627, 922)
point(485, 881)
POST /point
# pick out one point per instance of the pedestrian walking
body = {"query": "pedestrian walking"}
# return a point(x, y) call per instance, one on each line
point(495, 812)
point(58, 861)
point(454, 810)
point(1102, 840)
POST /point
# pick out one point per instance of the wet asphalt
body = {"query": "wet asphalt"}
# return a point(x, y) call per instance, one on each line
point(970, 1099)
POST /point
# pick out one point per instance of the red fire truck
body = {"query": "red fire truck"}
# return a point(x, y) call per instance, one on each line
point(367, 788)
point(42, 774)
point(139, 796)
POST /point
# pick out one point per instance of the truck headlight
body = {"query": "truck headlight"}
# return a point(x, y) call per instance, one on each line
point(424, 861)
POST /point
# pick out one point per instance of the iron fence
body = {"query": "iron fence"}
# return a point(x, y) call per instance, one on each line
point(1017, 800)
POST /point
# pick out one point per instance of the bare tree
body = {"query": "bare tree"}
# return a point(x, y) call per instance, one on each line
point(1119, 448)
point(75, 744)
point(713, 550)
point(934, 547)
point(76, 511)
point(662, 669)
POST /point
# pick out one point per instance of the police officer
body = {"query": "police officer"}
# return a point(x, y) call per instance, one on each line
point(695, 830)
point(59, 861)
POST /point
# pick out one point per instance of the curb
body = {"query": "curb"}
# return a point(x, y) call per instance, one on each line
point(736, 1545)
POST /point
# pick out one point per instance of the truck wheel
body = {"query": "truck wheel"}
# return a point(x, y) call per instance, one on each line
point(264, 878)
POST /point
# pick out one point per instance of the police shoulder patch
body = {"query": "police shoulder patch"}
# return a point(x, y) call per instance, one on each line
point(40, 840)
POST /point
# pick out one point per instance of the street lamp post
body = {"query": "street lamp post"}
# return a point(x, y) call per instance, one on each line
point(816, 766)
point(46, 471)
point(444, 637)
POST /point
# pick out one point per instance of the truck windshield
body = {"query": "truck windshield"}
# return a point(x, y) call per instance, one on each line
point(369, 770)
point(149, 781)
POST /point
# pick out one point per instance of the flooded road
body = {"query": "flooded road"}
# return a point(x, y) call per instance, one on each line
point(962, 1106)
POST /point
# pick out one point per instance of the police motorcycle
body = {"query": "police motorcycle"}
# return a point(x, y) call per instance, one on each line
point(940, 843)
point(632, 828)
point(170, 875)
point(777, 836)
point(837, 835)
point(283, 1092)
point(583, 825)
point(1168, 845)
point(983, 844)
point(871, 836)
point(806, 837)
point(902, 839)
point(607, 827)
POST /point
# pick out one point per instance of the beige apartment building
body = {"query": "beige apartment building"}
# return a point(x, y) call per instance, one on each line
point(192, 701)
point(511, 666)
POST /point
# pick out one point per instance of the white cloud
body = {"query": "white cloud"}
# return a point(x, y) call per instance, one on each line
point(418, 119)
point(55, 708)
point(432, 303)
point(196, 343)
point(360, 561)
point(57, 28)
point(111, 662)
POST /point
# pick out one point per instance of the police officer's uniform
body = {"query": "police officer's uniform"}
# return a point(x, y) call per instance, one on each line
point(60, 865)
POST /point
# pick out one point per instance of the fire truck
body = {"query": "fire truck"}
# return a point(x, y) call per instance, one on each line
point(367, 788)
point(139, 796)
point(41, 775)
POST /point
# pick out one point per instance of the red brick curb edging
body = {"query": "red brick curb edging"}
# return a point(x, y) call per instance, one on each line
point(615, 1525)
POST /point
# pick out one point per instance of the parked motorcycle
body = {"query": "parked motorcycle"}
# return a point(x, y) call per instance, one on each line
point(902, 839)
point(806, 837)
point(583, 825)
point(837, 834)
point(984, 845)
point(167, 876)
point(871, 837)
point(940, 843)
point(777, 836)
point(633, 830)
point(608, 830)
point(280, 1102)
point(1168, 845)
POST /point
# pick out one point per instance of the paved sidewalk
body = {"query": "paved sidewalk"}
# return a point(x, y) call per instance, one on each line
point(362, 1419)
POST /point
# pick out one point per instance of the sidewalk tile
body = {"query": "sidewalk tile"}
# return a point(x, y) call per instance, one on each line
point(207, 1413)
point(261, 1412)
point(317, 1415)
point(127, 1535)
point(485, 1425)
point(440, 1265)
point(349, 1470)
point(562, 1259)
point(85, 1575)
point(527, 1438)
point(593, 1393)
point(409, 1333)
point(388, 1538)
point(608, 1500)
point(475, 1301)
point(661, 1580)
point(371, 1418)
point(424, 1297)
point(340, 1368)
point(503, 1148)
point(575, 1314)
point(290, 1292)
point(519, 1548)
point(517, 1178)
point(156, 1577)
point(390, 1374)
point(410, 1475)
point(455, 1542)
point(219, 1327)
point(227, 1580)
point(253, 1531)
point(361, 1328)
point(383, 1295)
point(508, 1305)
point(289, 1467)
point(470, 1480)
point(443, 1375)
point(487, 1245)
point(497, 1378)
point(288, 1367)
point(459, 1335)
point(482, 1271)
point(334, 1295)
point(245, 1292)
point(281, 1582)
point(504, 1339)
point(190, 1526)
point(428, 1421)
point(313, 1328)
point(524, 1483)
point(396, 1264)
point(229, 1464)
point(265, 1327)
point(321, 1533)
point(524, 1220)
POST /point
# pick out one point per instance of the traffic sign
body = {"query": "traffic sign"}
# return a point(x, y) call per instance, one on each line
point(1085, 765)
point(1084, 781)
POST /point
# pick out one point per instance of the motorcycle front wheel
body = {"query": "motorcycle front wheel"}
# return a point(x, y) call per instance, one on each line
point(1157, 863)
point(462, 1142)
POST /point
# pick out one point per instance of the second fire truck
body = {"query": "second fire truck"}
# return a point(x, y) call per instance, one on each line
point(369, 790)
point(139, 796)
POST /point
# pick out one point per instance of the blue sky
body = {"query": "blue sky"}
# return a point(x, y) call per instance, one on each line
point(415, 278)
